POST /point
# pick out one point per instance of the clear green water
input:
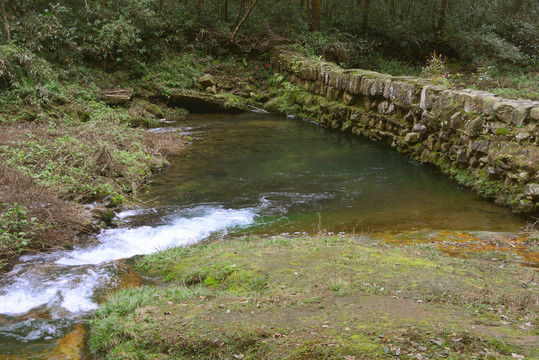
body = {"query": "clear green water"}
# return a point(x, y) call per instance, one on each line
point(299, 177)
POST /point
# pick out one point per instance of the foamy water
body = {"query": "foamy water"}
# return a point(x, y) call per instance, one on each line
point(122, 243)
point(64, 283)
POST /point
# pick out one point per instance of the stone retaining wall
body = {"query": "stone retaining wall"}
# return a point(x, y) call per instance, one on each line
point(483, 140)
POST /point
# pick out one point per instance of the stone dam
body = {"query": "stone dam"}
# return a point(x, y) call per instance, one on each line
point(482, 140)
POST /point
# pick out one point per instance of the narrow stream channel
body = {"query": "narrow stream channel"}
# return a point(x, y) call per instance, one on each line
point(248, 173)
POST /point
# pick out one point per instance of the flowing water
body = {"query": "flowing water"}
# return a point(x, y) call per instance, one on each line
point(249, 173)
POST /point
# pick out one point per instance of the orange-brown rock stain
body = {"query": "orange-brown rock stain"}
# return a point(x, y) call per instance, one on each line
point(70, 346)
point(462, 244)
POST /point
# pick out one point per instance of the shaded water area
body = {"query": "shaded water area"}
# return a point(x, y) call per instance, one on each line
point(291, 173)
point(243, 174)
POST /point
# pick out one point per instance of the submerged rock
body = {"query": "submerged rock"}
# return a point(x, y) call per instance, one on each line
point(103, 214)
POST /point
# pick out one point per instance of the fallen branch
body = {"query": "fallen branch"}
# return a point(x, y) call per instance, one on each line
point(258, 110)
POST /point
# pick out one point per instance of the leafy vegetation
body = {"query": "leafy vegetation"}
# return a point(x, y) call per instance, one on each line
point(83, 160)
point(16, 228)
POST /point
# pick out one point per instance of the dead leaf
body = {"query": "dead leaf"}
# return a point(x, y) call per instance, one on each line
point(437, 342)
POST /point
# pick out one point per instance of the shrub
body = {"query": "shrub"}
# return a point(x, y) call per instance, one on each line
point(51, 32)
point(436, 69)
point(115, 40)
point(25, 77)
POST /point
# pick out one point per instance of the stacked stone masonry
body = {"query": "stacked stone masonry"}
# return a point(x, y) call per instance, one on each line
point(483, 140)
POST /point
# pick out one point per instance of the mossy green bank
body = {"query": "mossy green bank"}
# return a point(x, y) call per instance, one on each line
point(319, 297)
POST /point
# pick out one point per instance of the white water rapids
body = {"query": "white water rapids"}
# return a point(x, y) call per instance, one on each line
point(64, 283)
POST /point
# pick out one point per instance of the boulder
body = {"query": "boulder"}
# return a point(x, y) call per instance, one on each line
point(531, 190)
point(354, 83)
point(523, 136)
point(525, 206)
point(503, 110)
point(404, 92)
point(156, 111)
point(480, 146)
point(456, 121)
point(419, 128)
point(348, 98)
point(473, 128)
point(520, 114)
point(206, 81)
point(211, 90)
point(412, 137)
point(430, 95)
point(103, 214)
point(534, 113)
point(462, 156)
point(383, 107)
point(430, 142)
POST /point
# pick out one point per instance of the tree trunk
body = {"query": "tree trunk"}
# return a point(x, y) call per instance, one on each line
point(315, 15)
point(308, 13)
point(252, 4)
point(411, 16)
point(365, 16)
point(4, 18)
point(224, 12)
point(103, 5)
point(200, 9)
point(240, 11)
point(443, 18)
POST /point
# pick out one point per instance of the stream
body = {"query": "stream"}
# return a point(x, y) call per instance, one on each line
point(243, 174)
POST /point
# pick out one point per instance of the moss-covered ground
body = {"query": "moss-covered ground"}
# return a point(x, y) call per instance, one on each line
point(320, 298)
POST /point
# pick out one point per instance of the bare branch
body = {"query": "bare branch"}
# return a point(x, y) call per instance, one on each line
point(252, 4)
